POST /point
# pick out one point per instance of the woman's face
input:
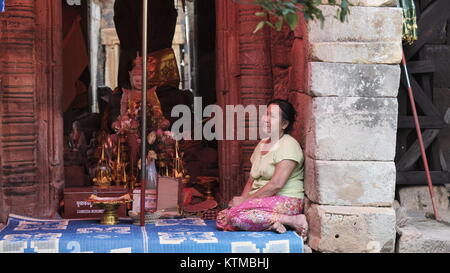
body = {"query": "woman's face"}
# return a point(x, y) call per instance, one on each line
point(272, 121)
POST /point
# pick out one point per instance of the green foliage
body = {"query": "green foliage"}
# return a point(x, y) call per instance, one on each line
point(287, 11)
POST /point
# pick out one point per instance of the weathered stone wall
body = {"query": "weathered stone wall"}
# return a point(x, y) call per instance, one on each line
point(349, 124)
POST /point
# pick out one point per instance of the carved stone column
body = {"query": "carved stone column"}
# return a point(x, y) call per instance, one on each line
point(49, 82)
point(228, 73)
point(19, 131)
point(243, 77)
point(31, 163)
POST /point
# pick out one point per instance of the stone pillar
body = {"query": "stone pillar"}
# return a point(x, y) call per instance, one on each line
point(31, 159)
point(244, 77)
point(18, 128)
point(110, 46)
point(179, 40)
point(349, 111)
point(112, 50)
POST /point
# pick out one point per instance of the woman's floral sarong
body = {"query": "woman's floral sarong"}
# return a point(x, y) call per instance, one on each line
point(258, 214)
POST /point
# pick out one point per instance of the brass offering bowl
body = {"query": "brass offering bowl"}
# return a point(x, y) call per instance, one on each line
point(109, 206)
point(208, 182)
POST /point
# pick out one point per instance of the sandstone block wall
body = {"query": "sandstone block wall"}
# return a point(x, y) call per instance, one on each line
point(349, 124)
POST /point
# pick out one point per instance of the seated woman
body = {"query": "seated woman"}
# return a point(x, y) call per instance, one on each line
point(272, 197)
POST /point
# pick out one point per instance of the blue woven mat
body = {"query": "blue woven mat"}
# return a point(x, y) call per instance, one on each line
point(185, 235)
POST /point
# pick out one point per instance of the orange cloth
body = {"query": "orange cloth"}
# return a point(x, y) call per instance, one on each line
point(166, 71)
point(162, 68)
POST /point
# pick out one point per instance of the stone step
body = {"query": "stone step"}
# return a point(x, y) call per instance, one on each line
point(424, 236)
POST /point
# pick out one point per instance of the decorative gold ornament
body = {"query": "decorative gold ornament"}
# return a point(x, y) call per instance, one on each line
point(178, 166)
point(103, 176)
point(119, 166)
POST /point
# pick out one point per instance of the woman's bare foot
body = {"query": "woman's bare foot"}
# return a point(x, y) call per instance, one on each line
point(278, 227)
point(301, 225)
point(297, 222)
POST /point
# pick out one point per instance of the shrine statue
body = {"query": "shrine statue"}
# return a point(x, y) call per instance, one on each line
point(130, 107)
point(130, 103)
point(77, 140)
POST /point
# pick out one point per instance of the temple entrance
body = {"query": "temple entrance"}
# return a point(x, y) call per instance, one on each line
point(102, 49)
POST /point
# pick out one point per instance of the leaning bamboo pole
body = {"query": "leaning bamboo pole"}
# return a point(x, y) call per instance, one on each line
point(420, 138)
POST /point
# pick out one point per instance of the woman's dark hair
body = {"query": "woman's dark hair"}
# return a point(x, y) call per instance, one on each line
point(288, 112)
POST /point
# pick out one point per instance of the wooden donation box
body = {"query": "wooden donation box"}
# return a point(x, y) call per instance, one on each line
point(76, 206)
point(170, 195)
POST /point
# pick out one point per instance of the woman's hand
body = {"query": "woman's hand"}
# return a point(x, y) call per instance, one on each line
point(236, 201)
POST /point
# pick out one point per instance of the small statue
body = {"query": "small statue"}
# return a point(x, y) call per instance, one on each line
point(151, 170)
point(150, 167)
point(77, 140)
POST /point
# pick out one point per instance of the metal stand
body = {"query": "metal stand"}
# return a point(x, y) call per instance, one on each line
point(144, 107)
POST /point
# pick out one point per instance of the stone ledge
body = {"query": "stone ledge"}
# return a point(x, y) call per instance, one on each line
point(424, 236)
point(352, 129)
point(357, 52)
point(351, 229)
point(353, 80)
point(416, 200)
point(350, 183)
point(365, 24)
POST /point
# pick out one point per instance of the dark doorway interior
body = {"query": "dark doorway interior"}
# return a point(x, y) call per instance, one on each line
point(200, 157)
point(427, 60)
point(205, 30)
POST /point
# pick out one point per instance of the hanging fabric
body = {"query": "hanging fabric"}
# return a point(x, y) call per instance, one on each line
point(409, 20)
point(2, 5)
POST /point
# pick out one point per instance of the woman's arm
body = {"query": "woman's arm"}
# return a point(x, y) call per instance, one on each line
point(248, 186)
point(239, 199)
